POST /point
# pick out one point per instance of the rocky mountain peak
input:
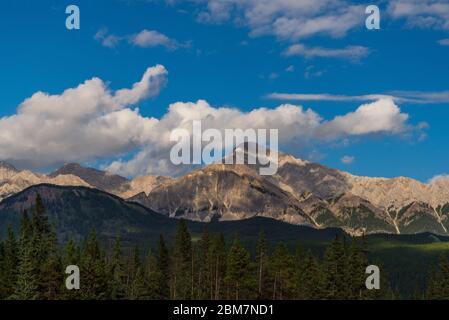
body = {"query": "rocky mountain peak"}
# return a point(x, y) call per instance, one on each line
point(7, 170)
point(99, 179)
point(6, 165)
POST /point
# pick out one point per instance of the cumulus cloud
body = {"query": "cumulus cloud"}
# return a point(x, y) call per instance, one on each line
point(83, 123)
point(421, 13)
point(354, 53)
point(376, 117)
point(444, 42)
point(297, 126)
point(347, 159)
point(150, 84)
point(285, 19)
point(92, 122)
point(153, 38)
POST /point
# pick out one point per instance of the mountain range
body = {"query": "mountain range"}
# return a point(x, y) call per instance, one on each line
point(301, 193)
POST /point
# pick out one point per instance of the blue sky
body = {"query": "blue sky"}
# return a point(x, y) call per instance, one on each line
point(230, 58)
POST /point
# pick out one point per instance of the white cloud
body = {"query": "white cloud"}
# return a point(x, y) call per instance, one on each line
point(438, 178)
point(92, 122)
point(325, 97)
point(150, 84)
point(380, 116)
point(290, 68)
point(297, 127)
point(285, 19)
point(444, 42)
point(83, 123)
point(415, 97)
point(106, 39)
point(347, 159)
point(422, 97)
point(144, 39)
point(354, 53)
point(312, 72)
point(421, 13)
point(153, 38)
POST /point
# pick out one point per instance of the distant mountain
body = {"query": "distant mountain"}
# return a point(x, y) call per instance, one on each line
point(102, 180)
point(75, 211)
point(13, 180)
point(143, 184)
point(304, 193)
point(301, 192)
point(7, 170)
point(109, 182)
point(225, 192)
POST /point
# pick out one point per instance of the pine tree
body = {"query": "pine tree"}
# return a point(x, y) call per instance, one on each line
point(2, 280)
point(26, 230)
point(262, 260)
point(10, 263)
point(116, 272)
point(310, 279)
point(93, 270)
point(357, 266)
point(163, 267)
point(27, 285)
point(434, 290)
point(154, 279)
point(135, 274)
point(204, 267)
point(39, 221)
point(45, 248)
point(139, 289)
point(182, 263)
point(336, 271)
point(218, 269)
point(238, 272)
point(283, 268)
point(51, 273)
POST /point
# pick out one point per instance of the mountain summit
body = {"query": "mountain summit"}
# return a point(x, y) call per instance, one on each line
point(301, 192)
point(102, 180)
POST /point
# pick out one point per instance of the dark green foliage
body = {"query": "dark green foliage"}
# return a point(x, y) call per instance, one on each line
point(239, 278)
point(336, 271)
point(283, 270)
point(262, 260)
point(218, 261)
point(116, 272)
point(438, 286)
point(163, 268)
point(205, 267)
point(10, 259)
point(310, 279)
point(93, 270)
point(32, 266)
point(181, 272)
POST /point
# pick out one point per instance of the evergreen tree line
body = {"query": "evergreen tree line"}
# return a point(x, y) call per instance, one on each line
point(438, 284)
point(32, 266)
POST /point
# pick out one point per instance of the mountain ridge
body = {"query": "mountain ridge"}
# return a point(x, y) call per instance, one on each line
point(301, 192)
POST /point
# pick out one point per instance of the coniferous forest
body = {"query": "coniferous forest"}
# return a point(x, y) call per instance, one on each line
point(32, 266)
